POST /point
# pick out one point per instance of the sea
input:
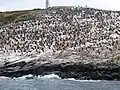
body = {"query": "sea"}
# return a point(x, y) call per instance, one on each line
point(54, 82)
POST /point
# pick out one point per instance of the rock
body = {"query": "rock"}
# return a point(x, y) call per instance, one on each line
point(77, 71)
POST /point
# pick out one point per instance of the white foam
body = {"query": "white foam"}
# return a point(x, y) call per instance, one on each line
point(3, 77)
point(54, 76)
point(25, 76)
point(72, 79)
point(30, 76)
point(89, 80)
point(51, 76)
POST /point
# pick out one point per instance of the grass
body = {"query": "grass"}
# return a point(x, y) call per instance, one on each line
point(16, 16)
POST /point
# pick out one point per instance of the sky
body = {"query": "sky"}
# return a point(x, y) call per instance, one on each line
point(12, 5)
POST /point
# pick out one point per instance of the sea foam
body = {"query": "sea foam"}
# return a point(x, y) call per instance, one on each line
point(50, 76)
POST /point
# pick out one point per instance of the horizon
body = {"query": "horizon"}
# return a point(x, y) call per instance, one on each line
point(20, 5)
point(54, 6)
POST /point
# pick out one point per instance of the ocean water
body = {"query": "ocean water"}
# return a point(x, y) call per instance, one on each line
point(54, 82)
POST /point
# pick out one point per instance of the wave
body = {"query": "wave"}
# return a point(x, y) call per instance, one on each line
point(72, 79)
point(3, 77)
point(30, 76)
point(50, 76)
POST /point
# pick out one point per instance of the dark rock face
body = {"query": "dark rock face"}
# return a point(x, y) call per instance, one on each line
point(103, 71)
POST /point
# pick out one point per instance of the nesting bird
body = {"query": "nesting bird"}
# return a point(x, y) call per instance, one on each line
point(86, 28)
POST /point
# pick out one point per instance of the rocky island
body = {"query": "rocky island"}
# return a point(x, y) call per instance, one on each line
point(72, 42)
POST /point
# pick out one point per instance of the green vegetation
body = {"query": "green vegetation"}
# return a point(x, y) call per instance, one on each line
point(59, 7)
point(16, 16)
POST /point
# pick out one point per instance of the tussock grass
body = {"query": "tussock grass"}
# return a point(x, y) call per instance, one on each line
point(16, 16)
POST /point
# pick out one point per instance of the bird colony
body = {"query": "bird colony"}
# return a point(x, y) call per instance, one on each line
point(87, 30)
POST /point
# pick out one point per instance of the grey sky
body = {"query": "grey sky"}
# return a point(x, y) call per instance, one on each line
point(8, 5)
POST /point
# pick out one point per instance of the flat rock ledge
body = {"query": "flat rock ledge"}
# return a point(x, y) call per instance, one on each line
point(77, 70)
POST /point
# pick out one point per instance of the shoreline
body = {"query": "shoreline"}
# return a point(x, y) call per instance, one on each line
point(79, 71)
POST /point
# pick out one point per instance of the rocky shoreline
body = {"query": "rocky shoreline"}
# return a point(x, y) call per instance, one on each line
point(76, 42)
point(100, 71)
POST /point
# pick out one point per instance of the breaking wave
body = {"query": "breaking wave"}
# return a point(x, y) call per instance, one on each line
point(50, 76)
point(3, 77)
